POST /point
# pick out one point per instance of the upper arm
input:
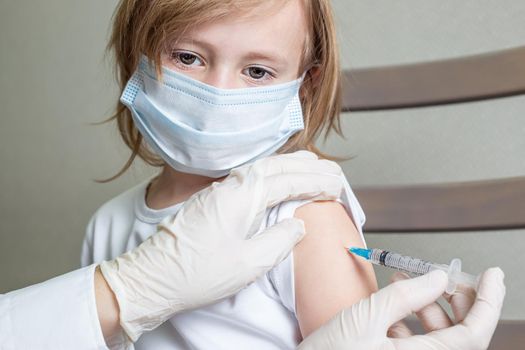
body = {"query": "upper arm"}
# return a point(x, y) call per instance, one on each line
point(327, 277)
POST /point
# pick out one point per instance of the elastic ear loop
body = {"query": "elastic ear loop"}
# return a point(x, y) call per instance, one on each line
point(308, 68)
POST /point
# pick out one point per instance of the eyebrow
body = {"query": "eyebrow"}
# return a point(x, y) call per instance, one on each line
point(270, 56)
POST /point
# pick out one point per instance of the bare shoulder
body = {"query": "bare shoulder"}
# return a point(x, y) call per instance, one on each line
point(327, 278)
point(328, 220)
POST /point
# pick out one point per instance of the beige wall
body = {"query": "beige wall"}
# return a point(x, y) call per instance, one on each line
point(449, 143)
point(54, 82)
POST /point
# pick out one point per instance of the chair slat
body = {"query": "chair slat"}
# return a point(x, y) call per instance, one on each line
point(479, 77)
point(467, 206)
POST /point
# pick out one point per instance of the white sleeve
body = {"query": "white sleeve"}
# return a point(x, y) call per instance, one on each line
point(57, 314)
point(86, 255)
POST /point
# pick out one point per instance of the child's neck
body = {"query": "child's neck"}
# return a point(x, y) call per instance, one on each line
point(172, 187)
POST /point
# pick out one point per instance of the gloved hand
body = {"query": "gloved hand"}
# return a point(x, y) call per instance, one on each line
point(205, 253)
point(432, 316)
point(364, 326)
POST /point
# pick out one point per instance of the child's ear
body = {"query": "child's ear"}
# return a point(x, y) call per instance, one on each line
point(313, 74)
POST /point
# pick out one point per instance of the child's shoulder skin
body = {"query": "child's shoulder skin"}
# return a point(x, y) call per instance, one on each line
point(327, 278)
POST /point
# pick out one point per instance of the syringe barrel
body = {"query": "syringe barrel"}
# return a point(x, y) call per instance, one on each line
point(400, 262)
point(420, 267)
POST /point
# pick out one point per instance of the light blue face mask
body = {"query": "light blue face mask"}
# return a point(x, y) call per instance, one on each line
point(200, 129)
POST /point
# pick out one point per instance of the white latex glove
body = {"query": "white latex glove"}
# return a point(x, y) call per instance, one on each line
point(364, 326)
point(204, 254)
point(433, 317)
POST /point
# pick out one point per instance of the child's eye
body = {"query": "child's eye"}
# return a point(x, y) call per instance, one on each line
point(186, 58)
point(257, 73)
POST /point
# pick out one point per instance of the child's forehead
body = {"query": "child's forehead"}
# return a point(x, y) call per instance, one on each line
point(265, 28)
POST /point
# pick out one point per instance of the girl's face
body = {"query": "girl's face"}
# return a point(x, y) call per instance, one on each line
point(262, 47)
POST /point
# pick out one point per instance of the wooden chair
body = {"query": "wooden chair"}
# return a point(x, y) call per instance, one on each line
point(467, 206)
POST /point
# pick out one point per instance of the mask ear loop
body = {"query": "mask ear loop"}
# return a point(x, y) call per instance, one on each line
point(307, 71)
point(301, 78)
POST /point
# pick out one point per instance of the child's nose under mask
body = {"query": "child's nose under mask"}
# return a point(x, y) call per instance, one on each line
point(199, 129)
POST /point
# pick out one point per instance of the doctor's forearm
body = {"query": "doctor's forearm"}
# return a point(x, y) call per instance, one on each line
point(107, 307)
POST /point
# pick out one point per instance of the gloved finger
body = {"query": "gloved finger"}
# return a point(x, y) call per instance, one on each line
point(402, 298)
point(484, 314)
point(432, 316)
point(461, 301)
point(271, 246)
point(399, 330)
point(274, 164)
point(478, 327)
point(284, 165)
point(423, 342)
point(286, 187)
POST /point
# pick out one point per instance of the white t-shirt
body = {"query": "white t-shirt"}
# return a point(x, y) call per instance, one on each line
point(261, 316)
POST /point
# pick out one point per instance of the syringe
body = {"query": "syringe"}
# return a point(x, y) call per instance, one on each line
point(418, 267)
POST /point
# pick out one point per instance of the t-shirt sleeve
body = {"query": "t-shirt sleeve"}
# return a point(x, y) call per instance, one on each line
point(282, 276)
point(86, 255)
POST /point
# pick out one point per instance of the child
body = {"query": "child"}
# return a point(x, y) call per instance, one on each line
point(209, 85)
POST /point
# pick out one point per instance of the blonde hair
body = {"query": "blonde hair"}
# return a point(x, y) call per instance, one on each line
point(147, 27)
